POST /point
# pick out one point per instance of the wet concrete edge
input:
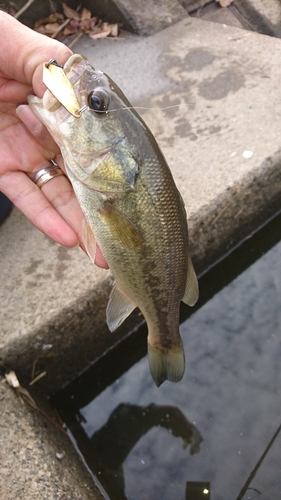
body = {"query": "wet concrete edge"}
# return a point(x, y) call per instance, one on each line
point(71, 334)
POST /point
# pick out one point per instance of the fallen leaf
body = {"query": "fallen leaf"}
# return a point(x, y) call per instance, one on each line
point(71, 22)
point(85, 14)
point(69, 31)
point(114, 29)
point(12, 380)
point(100, 34)
point(70, 13)
point(224, 3)
point(52, 18)
point(41, 30)
point(51, 28)
point(72, 27)
point(85, 25)
point(103, 30)
point(94, 21)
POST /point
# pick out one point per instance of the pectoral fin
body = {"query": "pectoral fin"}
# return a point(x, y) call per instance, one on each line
point(114, 174)
point(119, 307)
point(191, 293)
point(121, 228)
point(89, 241)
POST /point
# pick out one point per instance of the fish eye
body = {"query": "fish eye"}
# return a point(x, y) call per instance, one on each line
point(98, 100)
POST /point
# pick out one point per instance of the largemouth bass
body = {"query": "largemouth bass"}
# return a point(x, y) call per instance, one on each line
point(130, 202)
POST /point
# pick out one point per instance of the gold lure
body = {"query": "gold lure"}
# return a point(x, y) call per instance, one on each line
point(59, 85)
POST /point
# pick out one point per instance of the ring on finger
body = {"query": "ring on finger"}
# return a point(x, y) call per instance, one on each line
point(47, 173)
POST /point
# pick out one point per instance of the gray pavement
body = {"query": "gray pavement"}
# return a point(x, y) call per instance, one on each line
point(212, 99)
point(37, 462)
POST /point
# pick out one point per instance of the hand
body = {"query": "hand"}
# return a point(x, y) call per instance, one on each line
point(26, 146)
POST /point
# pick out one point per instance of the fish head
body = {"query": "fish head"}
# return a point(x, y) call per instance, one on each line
point(85, 112)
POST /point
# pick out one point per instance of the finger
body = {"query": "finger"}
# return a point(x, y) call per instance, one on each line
point(33, 203)
point(12, 91)
point(36, 128)
point(28, 153)
point(35, 206)
point(58, 191)
point(60, 194)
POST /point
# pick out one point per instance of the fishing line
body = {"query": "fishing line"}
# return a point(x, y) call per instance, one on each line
point(148, 108)
point(128, 108)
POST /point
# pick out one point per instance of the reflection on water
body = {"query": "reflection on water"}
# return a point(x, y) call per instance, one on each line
point(215, 434)
point(113, 443)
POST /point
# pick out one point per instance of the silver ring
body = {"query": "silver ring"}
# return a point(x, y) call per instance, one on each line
point(47, 173)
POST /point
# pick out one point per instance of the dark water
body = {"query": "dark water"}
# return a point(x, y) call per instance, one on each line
point(216, 433)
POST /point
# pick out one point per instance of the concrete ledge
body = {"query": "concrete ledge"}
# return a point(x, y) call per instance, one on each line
point(36, 460)
point(213, 92)
point(216, 96)
point(264, 16)
point(134, 17)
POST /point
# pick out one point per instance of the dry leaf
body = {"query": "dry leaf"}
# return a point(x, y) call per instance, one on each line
point(85, 25)
point(69, 31)
point(225, 3)
point(72, 27)
point(70, 13)
point(51, 28)
point(12, 380)
point(114, 29)
point(103, 30)
point(41, 30)
point(100, 34)
point(85, 14)
point(94, 21)
point(76, 23)
point(52, 18)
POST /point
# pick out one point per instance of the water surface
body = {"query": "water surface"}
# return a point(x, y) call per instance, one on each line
point(213, 435)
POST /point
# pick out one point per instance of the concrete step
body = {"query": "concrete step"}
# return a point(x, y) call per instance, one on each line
point(212, 99)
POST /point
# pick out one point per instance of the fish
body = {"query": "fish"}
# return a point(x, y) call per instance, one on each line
point(130, 201)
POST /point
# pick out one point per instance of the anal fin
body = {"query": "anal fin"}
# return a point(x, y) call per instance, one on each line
point(119, 307)
point(191, 293)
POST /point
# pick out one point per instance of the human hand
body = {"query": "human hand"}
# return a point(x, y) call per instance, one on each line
point(26, 146)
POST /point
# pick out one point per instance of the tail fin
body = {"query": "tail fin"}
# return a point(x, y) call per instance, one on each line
point(166, 364)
